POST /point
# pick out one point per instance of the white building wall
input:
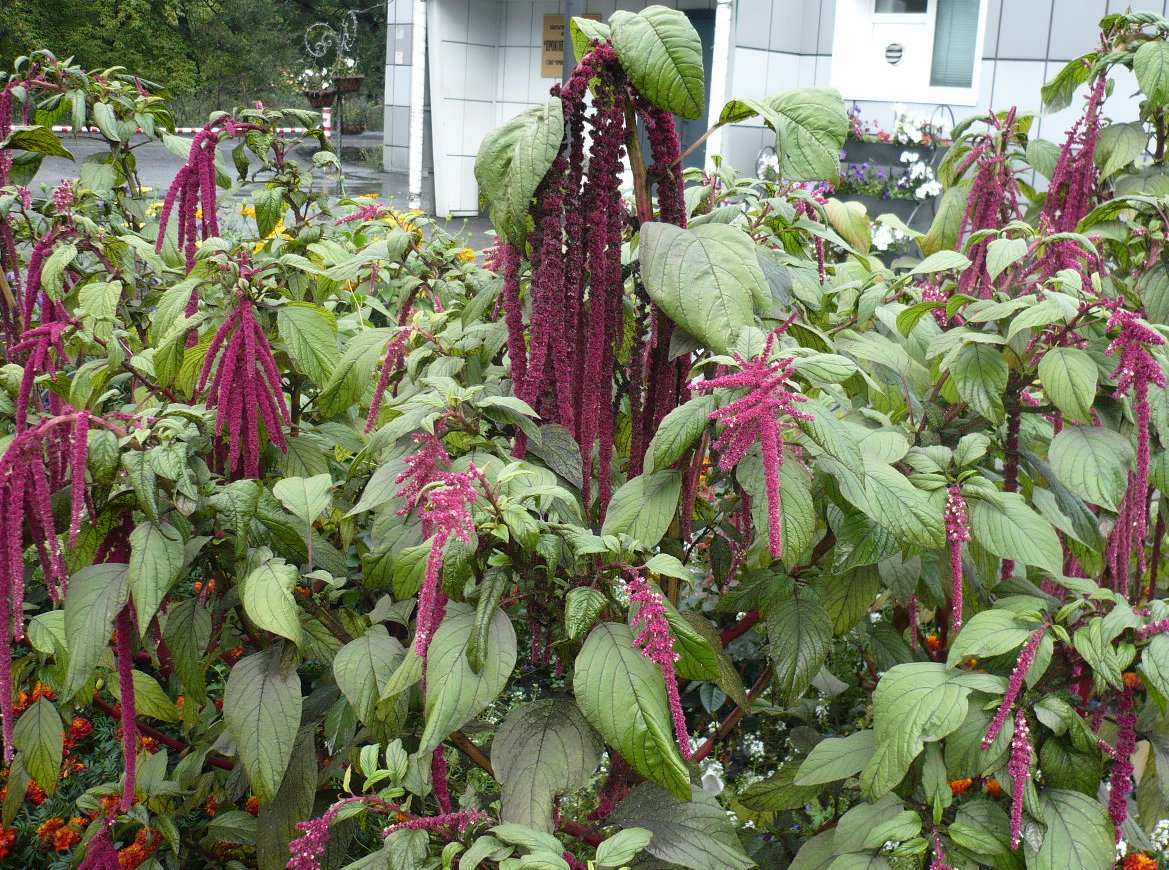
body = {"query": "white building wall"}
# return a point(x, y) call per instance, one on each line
point(484, 67)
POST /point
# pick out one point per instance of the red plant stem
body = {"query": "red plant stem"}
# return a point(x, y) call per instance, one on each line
point(1011, 467)
point(125, 658)
point(576, 829)
point(1158, 536)
point(645, 209)
point(165, 739)
point(732, 721)
point(744, 626)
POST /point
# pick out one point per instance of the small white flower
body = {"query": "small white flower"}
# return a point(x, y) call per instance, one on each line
point(875, 617)
point(909, 157)
point(712, 782)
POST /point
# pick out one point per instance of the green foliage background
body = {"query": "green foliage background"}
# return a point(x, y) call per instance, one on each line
point(205, 51)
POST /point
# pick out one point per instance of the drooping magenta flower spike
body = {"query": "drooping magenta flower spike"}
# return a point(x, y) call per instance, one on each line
point(1019, 767)
point(957, 532)
point(445, 499)
point(1136, 368)
point(246, 388)
point(657, 644)
point(1120, 780)
point(757, 416)
point(1014, 686)
point(395, 355)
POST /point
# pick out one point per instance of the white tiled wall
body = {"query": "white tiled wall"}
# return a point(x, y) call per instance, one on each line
point(485, 66)
point(485, 62)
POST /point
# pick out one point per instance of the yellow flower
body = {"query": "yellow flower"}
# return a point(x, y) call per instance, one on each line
point(248, 211)
point(199, 212)
point(466, 255)
point(368, 195)
point(277, 231)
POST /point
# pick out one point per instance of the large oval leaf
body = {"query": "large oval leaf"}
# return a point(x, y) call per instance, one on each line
point(512, 162)
point(1078, 834)
point(95, 596)
point(363, 667)
point(1069, 378)
point(705, 279)
point(267, 598)
point(1093, 463)
point(1010, 529)
point(156, 557)
point(661, 53)
point(454, 692)
point(913, 703)
point(543, 749)
point(810, 125)
point(644, 506)
point(623, 695)
point(799, 634)
point(261, 707)
point(690, 832)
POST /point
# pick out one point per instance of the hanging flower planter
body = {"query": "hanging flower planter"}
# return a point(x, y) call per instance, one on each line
point(352, 128)
point(349, 84)
point(320, 99)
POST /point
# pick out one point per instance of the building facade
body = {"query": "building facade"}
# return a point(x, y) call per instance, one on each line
point(457, 69)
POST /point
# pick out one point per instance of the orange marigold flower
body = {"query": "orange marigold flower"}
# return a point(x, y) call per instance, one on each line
point(35, 794)
point(65, 839)
point(71, 766)
point(933, 643)
point(1139, 861)
point(46, 831)
point(211, 807)
point(959, 786)
point(198, 585)
point(993, 787)
point(148, 744)
point(252, 806)
point(1133, 681)
point(7, 841)
point(80, 728)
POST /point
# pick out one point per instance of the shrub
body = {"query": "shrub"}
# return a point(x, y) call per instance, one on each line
point(811, 561)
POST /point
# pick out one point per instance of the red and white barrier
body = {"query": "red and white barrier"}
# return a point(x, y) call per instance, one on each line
point(326, 125)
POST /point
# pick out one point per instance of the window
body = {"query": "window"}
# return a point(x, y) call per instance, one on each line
point(919, 51)
point(901, 7)
point(955, 39)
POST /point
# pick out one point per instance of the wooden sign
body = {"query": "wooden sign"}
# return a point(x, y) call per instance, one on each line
point(552, 54)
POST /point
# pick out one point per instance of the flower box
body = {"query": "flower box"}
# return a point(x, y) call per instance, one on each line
point(349, 84)
point(320, 99)
point(881, 153)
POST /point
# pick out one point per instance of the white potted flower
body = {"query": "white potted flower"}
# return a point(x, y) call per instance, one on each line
point(317, 86)
point(348, 78)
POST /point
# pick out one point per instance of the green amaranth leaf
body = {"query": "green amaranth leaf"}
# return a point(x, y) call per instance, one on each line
point(262, 707)
point(512, 162)
point(623, 696)
point(95, 595)
point(542, 750)
point(692, 832)
point(455, 694)
point(156, 558)
point(706, 280)
point(660, 51)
